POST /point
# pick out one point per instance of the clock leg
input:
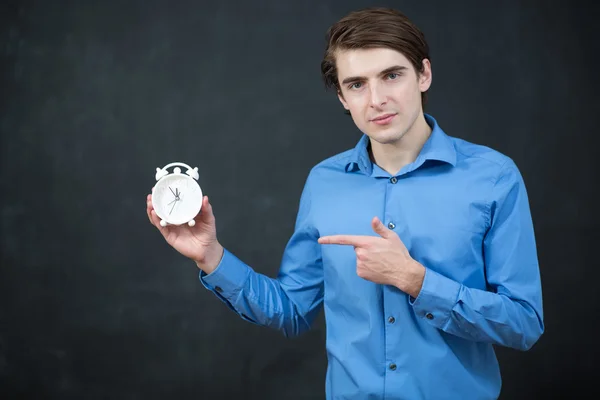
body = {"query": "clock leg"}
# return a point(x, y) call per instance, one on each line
point(192, 223)
point(163, 223)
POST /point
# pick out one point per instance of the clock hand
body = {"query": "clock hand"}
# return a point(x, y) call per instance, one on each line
point(172, 191)
point(173, 206)
point(171, 202)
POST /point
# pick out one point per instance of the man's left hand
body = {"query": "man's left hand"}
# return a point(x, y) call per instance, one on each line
point(383, 259)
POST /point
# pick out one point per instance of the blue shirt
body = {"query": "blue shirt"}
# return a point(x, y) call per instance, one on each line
point(462, 211)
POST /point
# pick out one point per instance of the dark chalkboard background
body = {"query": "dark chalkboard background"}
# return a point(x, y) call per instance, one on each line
point(96, 94)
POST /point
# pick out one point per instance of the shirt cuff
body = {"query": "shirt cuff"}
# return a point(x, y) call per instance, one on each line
point(227, 279)
point(436, 299)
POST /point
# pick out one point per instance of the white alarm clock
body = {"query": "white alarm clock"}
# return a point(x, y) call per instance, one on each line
point(177, 196)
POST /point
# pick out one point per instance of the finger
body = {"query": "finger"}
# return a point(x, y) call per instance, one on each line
point(381, 229)
point(351, 240)
point(151, 213)
point(149, 208)
point(155, 219)
point(207, 214)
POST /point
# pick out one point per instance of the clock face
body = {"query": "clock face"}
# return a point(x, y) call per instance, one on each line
point(177, 198)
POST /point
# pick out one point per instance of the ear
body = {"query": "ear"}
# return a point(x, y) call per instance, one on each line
point(425, 77)
point(341, 97)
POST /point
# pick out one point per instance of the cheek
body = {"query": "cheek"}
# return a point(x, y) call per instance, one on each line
point(400, 93)
point(355, 103)
point(358, 106)
point(409, 94)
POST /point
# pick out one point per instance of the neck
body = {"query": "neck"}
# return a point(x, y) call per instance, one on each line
point(393, 156)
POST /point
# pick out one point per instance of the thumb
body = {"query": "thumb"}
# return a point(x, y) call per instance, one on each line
point(381, 229)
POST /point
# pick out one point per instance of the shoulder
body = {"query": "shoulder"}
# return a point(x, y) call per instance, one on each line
point(478, 152)
point(337, 161)
point(330, 166)
point(484, 157)
point(321, 176)
point(499, 171)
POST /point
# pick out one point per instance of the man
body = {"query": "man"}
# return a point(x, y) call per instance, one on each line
point(420, 246)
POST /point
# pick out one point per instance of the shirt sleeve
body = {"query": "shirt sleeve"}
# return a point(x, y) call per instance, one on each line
point(510, 312)
point(289, 302)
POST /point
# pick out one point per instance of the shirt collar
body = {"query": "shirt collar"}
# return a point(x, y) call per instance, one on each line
point(438, 147)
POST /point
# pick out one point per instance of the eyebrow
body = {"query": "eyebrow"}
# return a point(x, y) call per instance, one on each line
point(395, 68)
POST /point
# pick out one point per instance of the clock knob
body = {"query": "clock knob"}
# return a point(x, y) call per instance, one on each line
point(160, 173)
point(193, 173)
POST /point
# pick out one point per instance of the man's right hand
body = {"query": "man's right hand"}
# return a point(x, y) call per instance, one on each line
point(198, 242)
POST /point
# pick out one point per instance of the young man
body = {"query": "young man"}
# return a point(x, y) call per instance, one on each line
point(420, 246)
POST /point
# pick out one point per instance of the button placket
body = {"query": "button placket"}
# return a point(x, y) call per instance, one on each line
point(389, 214)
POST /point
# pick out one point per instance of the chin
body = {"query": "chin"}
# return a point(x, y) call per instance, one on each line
point(388, 136)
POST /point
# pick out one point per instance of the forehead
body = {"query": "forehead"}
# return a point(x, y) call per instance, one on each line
point(367, 62)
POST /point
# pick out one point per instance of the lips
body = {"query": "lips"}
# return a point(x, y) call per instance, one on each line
point(383, 119)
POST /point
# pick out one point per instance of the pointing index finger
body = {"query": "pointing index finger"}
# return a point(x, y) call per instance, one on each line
point(352, 240)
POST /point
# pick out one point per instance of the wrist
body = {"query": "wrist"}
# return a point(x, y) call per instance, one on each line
point(413, 280)
point(212, 258)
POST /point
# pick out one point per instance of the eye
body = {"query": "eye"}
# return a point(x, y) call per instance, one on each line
point(355, 85)
point(392, 75)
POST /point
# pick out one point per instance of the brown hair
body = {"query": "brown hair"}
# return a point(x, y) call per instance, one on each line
point(370, 28)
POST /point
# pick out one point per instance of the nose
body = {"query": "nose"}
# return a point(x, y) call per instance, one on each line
point(378, 95)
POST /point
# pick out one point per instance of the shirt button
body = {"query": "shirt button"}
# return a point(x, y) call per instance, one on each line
point(391, 225)
point(393, 366)
point(393, 180)
point(429, 315)
point(391, 320)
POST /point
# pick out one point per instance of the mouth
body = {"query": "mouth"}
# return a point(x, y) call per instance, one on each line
point(383, 119)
